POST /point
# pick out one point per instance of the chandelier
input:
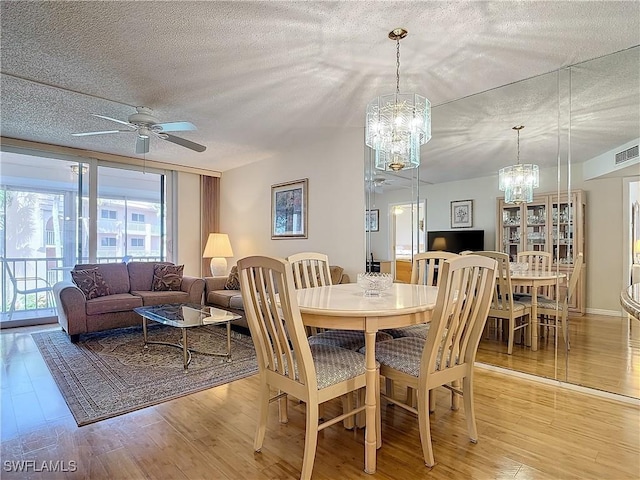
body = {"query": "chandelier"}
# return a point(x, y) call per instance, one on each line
point(518, 181)
point(398, 123)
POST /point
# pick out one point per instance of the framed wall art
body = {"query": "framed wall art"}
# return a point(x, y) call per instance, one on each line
point(462, 214)
point(371, 220)
point(289, 209)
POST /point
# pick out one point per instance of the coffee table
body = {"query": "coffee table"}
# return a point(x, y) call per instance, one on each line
point(185, 316)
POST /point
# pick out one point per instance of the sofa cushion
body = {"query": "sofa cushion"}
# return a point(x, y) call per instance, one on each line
point(236, 302)
point(141, 275)
point(158, 298)
point(119, 302)
point(167, 278)
point(233, 280)
point(91, 282)
point(115, 275)
point(221, 298)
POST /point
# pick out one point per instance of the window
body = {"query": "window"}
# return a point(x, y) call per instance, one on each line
point(108, 214)
point(108, 242)
point(46, 221)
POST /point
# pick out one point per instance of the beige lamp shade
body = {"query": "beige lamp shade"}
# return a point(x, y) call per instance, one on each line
point(218, 247)
point(439, 243)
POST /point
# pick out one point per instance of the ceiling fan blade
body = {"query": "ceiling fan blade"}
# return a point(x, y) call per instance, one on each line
point(84, 134)
point(112, 119)
point(175, 126)
point(142, 145)
point(185, 143)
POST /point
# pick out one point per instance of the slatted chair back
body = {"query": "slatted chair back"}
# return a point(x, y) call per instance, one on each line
point(425, 267)
point(538, 261)
point(310, 269)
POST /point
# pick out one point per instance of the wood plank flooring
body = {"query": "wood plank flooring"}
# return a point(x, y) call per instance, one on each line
point(526, 431)
point(605, 354)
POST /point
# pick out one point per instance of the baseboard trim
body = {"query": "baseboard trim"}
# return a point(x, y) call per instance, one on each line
point(557, 383)
point(608, 313)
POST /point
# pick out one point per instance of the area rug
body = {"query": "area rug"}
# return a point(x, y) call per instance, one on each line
point(110, 373)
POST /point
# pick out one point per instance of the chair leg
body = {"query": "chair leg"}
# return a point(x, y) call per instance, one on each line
point(425, 428)
point(283, 409)
point(455, 398)
point(469, 411)
point(512, 331)
point(347, 406)
point(378, 420)
point(432, 401)
point(263, 414)
point(310, 439)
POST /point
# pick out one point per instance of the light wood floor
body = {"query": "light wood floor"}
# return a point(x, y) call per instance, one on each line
point(604, 354)
point(526, 431)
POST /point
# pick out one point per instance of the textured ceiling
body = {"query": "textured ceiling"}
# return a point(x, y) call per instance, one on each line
point(260, 77)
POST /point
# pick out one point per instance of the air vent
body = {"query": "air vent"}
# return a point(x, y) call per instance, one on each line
point(626, 155)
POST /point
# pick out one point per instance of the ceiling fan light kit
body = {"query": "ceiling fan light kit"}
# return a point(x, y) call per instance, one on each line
point(146, 125)
point(398, 124)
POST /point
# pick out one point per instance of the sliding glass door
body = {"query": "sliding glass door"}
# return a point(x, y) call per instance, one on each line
point(58, 212)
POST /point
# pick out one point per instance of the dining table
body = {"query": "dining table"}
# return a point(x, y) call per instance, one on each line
point(534, 280)
point(346, 307)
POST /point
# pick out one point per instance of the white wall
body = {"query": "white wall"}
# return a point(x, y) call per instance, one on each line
point(334, 167)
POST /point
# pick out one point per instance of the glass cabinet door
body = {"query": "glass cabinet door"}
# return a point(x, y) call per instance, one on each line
point(511, 229)
point(536, 222)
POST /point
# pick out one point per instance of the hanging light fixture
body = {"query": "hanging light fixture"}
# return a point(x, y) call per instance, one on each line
point(518, 181)
point(398, 123)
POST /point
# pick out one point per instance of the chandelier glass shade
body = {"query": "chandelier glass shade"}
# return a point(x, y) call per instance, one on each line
point(397, 124)
point(518, 181)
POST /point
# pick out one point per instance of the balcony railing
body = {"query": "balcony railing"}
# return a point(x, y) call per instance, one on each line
point(32, 273)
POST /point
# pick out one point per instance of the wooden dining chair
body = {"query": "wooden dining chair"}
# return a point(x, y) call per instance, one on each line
point(424, 271)
point(503, 306)
point(550, 310)
point(464, 297)
point(537, 261)
point(311, 269)
point(286, 362)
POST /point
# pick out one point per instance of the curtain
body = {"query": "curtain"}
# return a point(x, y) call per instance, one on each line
point(210, 201)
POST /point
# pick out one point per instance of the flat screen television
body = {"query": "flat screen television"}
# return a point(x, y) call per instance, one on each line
point(455, 241)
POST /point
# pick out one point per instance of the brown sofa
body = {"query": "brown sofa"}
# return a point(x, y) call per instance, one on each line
point(130, 286)
point(216, 295)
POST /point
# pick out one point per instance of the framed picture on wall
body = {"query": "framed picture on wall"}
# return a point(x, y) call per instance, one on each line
point(462, 214)
point(371, 220)
point(289, 209)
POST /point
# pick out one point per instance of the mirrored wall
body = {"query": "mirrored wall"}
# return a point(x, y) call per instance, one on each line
point(578, 121)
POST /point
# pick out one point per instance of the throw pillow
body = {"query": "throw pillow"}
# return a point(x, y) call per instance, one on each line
point(91, 282)
point(167, 278)
point(233, 281)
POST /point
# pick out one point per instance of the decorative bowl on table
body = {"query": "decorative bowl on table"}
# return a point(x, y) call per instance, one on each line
point(518, 267)
point(373, 283)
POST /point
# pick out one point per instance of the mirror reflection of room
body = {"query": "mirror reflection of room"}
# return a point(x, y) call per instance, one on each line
point(581, 129)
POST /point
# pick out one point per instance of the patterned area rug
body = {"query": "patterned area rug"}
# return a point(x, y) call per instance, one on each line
point(110, 373)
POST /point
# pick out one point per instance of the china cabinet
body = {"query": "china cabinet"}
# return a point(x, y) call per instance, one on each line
point(550, 223)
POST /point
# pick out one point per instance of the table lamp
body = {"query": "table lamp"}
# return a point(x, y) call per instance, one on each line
point(218, 248)
point(439, 243)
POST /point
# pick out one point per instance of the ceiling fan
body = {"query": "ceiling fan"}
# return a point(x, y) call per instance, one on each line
point(146, 125)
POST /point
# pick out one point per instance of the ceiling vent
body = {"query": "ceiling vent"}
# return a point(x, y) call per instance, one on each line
point(626, 155)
